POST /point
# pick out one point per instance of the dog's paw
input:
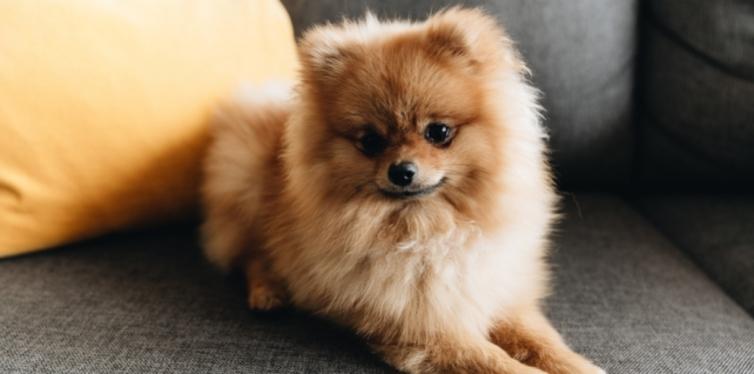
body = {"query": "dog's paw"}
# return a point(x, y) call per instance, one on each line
point(264, 298)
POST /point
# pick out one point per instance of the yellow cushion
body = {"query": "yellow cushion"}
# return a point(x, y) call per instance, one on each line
point(103, 107)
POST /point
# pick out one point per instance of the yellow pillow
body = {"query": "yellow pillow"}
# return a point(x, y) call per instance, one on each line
point(103, 107)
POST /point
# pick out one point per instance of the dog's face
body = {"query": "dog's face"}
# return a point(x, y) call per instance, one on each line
point(398, 121)
point(400, 112)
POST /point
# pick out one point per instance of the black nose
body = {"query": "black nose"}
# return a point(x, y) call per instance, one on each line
point(402, 173)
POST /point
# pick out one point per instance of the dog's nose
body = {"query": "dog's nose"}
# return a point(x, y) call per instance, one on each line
point(402, 173)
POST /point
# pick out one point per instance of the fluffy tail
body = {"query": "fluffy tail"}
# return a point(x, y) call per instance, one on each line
point(246, 135)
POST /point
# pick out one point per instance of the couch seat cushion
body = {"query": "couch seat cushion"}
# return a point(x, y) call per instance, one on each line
point(716, 231)
point(146, 302)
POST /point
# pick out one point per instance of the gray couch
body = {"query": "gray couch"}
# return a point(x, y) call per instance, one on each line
point(651, 104)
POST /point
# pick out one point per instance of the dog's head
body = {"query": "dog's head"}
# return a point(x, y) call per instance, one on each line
point(404, 113)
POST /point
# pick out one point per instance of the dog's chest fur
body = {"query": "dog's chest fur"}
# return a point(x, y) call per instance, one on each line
point(416, 284)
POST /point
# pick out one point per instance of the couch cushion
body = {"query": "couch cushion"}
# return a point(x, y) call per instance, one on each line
point(697, 95)
point(628, 297)
point(716, 231)
point(147, 302)
point(582, 57)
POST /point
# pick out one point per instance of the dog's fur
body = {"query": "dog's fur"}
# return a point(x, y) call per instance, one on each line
point(445, 282)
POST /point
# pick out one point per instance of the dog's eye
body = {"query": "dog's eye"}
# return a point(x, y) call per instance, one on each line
point(371, 143)
point(438, 133)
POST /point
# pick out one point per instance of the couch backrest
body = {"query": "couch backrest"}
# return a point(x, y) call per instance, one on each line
point(696, 124)
point(582, 55)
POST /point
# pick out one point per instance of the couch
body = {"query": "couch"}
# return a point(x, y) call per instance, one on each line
point(650, 107)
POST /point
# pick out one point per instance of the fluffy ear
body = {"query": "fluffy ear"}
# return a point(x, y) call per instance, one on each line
point(472, 37)
point(446, 40)
point(324, 53)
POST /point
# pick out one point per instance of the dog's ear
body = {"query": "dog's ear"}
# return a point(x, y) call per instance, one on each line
point(325, 53)
point(470, 37)
point(447, 40)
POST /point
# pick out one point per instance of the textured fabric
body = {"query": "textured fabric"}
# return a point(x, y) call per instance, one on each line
point(716, 231)
point(698, 94)
point(103, 107)
point(627, 297)
point(623, 296)
point(148, 303)
point(581, 53)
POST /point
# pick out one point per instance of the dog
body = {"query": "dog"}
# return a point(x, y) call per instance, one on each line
point(400, 188)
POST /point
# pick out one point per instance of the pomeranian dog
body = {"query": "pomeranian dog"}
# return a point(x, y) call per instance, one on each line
point(401, 190)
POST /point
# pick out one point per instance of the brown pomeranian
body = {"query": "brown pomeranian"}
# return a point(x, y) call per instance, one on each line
point(401, 190)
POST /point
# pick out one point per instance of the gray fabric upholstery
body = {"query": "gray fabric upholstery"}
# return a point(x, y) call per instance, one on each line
point(716, 231)
point(721, 30)
point(698, 94)
point(582, 55)
point(147, 302)
point(627, 297)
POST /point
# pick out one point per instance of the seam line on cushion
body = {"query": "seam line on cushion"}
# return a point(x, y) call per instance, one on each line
point(636, 207)
point(673, 36)
point(637, 125)
point(686, 146)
